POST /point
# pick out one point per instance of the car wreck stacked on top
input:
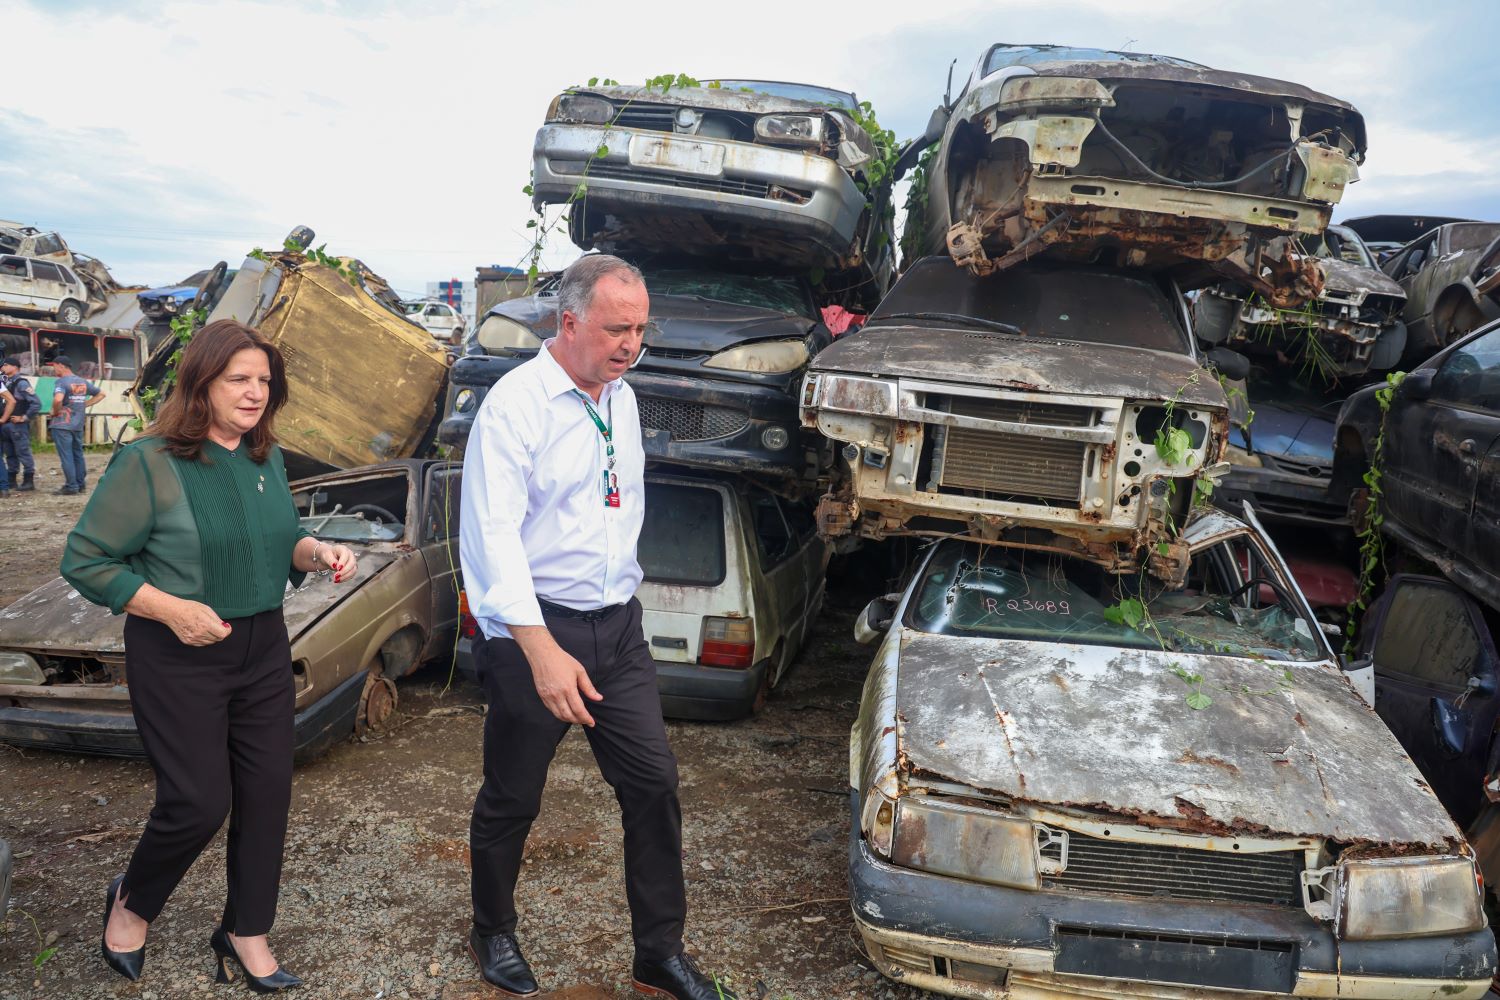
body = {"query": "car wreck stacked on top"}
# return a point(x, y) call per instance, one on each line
point(1105, 746)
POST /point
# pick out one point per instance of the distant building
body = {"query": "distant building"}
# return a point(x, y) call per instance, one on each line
point(459, 294)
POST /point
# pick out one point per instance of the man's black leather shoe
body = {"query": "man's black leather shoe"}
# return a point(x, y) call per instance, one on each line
point(501, 963)
point(677, 978)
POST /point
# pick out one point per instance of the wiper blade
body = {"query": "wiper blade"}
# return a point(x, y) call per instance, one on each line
point(960, 319)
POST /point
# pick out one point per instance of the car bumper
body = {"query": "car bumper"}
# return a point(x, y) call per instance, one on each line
point(1282, 497)
point(968, 939)
point(688, 691)
point(792, 195)
point(692, 421)
point(92, 730)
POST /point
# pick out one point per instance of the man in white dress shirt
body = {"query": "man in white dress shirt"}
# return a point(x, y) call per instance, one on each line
point(553, 499)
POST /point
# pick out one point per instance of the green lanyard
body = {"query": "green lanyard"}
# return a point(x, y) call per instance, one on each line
point(606, 431)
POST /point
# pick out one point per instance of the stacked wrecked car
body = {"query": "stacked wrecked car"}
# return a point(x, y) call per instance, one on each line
point(1105, 746)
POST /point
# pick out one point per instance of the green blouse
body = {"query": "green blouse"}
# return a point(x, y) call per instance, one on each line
point(219, 530)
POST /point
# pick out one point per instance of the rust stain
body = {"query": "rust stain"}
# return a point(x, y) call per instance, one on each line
point(1060, 681)
point(1192, 757)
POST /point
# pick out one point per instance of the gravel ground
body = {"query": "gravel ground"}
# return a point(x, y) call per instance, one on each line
point(374, 899)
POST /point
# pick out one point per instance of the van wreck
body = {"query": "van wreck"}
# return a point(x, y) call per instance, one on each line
point(1047, 801)
point(1156, 160)
point(339, 339)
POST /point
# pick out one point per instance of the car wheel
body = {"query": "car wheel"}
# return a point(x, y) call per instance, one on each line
point(70, 312)
point(377, 704)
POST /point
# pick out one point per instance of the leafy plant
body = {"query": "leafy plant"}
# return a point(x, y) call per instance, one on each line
point(1371, 542)
point(913, 231)
point(1196, 699)
point(881, 169)
point(183, 327)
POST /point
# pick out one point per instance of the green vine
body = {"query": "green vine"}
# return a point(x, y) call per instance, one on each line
point(913, 230)
point(183, 327)
point(881, 170)
point(1371, 542)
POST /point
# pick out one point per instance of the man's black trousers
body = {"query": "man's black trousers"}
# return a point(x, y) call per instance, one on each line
point(629, 742)
point(216, 722)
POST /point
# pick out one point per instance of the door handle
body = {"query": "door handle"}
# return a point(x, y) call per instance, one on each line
point(1466, 446)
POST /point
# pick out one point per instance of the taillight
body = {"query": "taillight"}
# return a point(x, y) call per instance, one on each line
point(728, 642)
point(467, 626)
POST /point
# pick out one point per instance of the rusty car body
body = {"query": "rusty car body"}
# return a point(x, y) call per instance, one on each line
point(1353, 326)
point(1051, 796)
point(339, 339)
point(1451, 277)
point(749, 169)
point(63, 682)
point(717, 380)
point(1024, 403)
point(1439, 460)
point(1138, 159)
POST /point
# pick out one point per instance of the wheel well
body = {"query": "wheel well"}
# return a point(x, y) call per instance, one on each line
point(398, 654)
point(1452, 303)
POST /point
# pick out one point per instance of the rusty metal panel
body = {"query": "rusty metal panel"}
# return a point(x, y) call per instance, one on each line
point(1013, 466)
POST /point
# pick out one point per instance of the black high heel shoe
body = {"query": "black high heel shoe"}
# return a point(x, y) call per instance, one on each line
point(126, 963)
point(225, 953)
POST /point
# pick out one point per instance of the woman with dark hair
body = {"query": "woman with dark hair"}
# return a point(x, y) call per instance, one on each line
point(192, 533)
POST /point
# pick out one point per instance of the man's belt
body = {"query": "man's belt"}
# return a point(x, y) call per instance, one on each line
point(562, 611)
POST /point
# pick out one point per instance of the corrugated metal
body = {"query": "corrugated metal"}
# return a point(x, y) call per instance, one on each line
point(1159, 871)
point(1010, 465)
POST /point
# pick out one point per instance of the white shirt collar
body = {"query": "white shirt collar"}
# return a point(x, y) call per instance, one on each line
point(555, 381)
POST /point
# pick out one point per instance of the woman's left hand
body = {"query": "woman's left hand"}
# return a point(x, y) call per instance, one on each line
point(340, 559)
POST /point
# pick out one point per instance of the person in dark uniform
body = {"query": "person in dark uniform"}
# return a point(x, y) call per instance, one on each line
point(553, 499)
point(193, 534)
point(15, 431)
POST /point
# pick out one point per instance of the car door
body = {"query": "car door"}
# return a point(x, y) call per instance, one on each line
point(1435, 684)
point(440, 545)
point(16, 286)
point(1467, 386)
point(48, 286)
point(786, 585)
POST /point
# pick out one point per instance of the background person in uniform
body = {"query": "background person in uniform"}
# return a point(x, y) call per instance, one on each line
point(71, 396)
point(7, 407)
point(552, 508)
point(193, 533)
point(15, 433)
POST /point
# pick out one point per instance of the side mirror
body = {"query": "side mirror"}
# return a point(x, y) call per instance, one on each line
point(875, 619)
point(1418, 385)
point(1231, 364)
point(936, 123)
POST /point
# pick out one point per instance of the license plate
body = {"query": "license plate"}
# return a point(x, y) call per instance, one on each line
point(655, 442)
point(683, 156)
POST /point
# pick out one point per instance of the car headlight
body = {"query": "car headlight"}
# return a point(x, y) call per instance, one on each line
point(1408, 897)
point(968, 842)
point(581, 108)
point(870, 397)
point(800, 130)
point(20, 668)
point(465, 401)
point(498, 333)
point(878, 821)
point(772, 357)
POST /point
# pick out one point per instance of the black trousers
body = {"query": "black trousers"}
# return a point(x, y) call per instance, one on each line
point(629, 741)
point(216, 722)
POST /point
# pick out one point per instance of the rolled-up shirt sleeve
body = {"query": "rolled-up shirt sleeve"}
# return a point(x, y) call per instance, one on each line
point(113, 527)
point(497, 469)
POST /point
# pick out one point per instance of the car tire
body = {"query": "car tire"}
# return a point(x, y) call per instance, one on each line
point(70, 312)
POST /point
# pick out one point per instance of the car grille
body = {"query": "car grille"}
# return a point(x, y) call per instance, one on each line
point(1010, 464)
point(722, 185)
point(650, 119)
point(690, 421)
point(1122, 868)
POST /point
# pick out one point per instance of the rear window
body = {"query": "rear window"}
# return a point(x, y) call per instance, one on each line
point(1472, 235)
point(682, 538)
point(1091, 306)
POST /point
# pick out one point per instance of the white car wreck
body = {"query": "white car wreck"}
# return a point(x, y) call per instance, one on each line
point(1065, 782)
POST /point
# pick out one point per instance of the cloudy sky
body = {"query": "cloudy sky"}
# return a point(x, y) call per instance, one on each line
point(162, 136)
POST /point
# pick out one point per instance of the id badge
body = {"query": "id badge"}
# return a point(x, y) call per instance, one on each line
point(611, 489)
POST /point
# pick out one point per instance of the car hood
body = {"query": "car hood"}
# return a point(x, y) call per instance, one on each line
point(56, 618)
point(1286, 432)
point(1109, 729)
point(1028, 363)
point(683, 322)
point(1342, 276)
point(716, 98)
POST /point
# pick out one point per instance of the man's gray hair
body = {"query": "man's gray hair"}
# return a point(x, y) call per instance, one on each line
point(576, 293)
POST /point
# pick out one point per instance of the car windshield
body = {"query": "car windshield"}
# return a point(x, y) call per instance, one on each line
point(1089, 305)
point(682, 536)
point(1232, 604)
point(762, 291)
point(1030, 55)
point(352, 528)
point(1472, 235)
point(796, 91)
point(1340, 243)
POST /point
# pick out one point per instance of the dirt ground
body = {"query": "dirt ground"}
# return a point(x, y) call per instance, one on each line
point(374, 897)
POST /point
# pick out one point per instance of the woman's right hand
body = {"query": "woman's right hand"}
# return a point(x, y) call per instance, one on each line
point(197, 624)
